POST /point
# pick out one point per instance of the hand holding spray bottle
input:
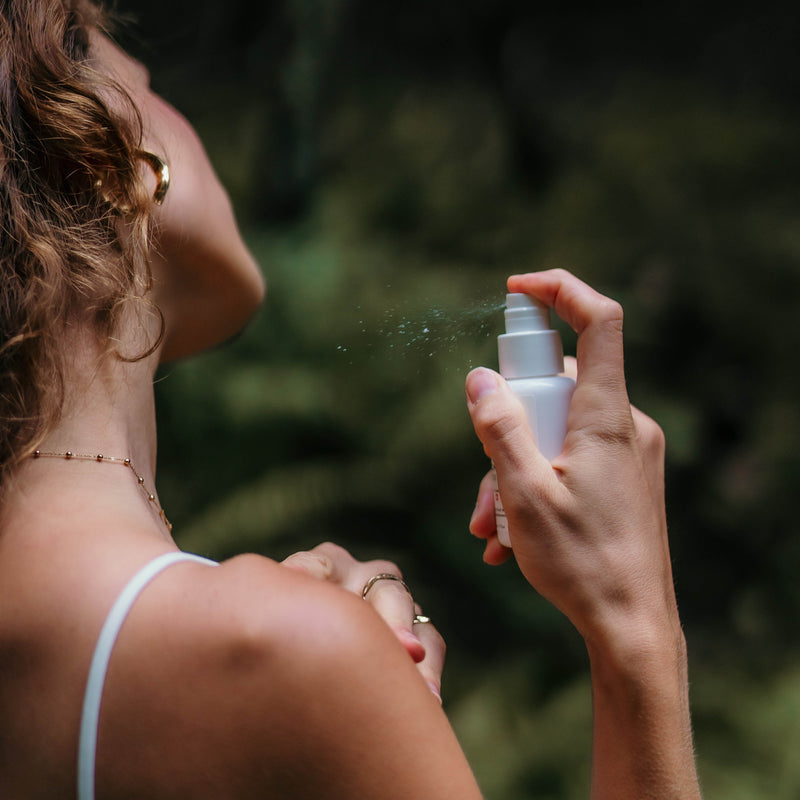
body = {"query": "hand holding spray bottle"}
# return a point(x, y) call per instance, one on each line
point(531, 357)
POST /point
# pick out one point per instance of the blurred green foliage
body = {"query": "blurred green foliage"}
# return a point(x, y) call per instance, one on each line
point(392, 164)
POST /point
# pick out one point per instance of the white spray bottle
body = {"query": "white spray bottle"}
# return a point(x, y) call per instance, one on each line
point(531, 357)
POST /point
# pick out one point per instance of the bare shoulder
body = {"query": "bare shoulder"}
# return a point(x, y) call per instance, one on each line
point(250, 677)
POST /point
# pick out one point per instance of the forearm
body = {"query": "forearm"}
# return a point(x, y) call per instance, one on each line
point(642, 738)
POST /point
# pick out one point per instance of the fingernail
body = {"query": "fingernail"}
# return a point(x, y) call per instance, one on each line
point(435, 690)
point(412, 644)
point(480, 382)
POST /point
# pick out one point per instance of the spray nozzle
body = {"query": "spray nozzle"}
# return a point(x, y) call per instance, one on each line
point(525, 313)
point(529, 347)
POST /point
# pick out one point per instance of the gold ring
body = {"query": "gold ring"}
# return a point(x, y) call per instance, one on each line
point(420, 619)
point(382, 576)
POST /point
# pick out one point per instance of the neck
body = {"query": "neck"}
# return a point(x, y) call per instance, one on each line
point(109, 409)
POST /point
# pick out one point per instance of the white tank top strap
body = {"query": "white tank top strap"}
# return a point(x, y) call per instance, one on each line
point(87, 745)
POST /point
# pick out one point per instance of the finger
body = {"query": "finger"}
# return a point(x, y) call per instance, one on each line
point(432, 665)
point(395, 606)
point(317, 565)
point(525, 478)
point(482, 523)
point(392, 600)
point(495, 553)
point(598, 322)
point(334, 564)
point(343, 569)
point(500, 421)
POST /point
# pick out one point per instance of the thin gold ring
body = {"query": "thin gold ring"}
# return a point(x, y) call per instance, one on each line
point(382, 576)
point(421, 619)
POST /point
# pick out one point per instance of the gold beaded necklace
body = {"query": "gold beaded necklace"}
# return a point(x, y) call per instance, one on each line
point(125, 462)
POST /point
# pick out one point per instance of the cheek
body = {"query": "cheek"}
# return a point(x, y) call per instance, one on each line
point(195, 192)
point(166, 131)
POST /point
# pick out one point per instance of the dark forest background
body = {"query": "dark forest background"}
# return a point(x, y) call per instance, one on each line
point(391, 164)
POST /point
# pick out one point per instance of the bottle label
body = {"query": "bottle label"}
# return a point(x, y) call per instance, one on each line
point(500, 519)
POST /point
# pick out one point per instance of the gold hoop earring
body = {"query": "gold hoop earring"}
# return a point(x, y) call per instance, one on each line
point(161, 170)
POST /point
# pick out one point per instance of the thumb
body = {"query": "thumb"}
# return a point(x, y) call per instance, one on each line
point(502, 426)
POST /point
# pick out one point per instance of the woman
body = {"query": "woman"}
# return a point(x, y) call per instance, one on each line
point(253, 678)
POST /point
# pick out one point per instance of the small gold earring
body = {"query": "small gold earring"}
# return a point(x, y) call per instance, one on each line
point(161, 170)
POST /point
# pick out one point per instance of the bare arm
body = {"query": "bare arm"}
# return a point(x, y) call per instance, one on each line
point(254, 680)
point(589, 533)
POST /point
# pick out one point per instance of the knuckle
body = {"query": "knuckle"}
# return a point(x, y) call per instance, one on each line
point(562, 276)
point(331, 550)
point(498, 426)
point(298, 556)
point(325, 563)
point(653, 437)
point(610, 311)
point(314, 563)
point(614, 428)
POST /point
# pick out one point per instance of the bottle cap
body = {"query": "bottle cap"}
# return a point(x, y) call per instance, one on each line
point(529, 348)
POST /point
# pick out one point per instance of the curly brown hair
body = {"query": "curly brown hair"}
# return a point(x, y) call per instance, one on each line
point(70, 186)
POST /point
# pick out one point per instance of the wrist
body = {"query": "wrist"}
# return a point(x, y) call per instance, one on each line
point(642, 724)
point(635, 649)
